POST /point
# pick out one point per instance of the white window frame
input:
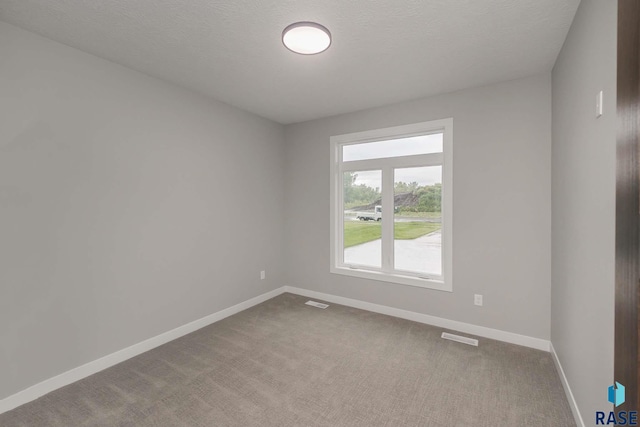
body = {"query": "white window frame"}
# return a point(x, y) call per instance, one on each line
point(386, 165)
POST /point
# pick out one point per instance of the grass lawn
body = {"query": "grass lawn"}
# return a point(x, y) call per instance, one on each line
point(357, 232)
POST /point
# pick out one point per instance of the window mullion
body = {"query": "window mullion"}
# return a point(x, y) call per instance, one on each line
point(387, 219)
point(339, 217)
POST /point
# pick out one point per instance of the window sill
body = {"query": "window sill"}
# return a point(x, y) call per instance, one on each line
point(394, 278)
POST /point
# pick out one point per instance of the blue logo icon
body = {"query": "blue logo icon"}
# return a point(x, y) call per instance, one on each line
point(621, 418)
point(616, 394)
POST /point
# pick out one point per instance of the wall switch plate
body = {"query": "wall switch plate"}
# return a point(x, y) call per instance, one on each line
point(262, 275)
point(599, 104)
point(477, 299)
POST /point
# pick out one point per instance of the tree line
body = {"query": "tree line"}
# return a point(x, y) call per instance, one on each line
point(426, 198)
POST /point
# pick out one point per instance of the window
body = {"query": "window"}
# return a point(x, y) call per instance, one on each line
point(391, 200)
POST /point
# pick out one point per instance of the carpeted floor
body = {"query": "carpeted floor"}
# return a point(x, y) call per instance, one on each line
point(283, 363)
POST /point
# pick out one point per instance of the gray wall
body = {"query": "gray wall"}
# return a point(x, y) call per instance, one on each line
point(128, 207)
point(502, 206)
point(583, 225)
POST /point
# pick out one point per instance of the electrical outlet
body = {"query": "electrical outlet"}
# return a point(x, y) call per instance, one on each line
point(477, 299)
point(262, 275)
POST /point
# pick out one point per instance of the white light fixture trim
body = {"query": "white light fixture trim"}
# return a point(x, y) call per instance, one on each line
point(306, 38)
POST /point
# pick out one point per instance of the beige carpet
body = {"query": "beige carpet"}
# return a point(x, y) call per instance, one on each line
point(283, 363)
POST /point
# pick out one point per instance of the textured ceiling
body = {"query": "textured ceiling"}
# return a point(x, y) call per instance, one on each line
point(382, 52)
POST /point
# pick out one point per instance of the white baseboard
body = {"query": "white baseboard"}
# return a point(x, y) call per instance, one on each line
point(105, 362)
point(567, 390)
point(468, 328)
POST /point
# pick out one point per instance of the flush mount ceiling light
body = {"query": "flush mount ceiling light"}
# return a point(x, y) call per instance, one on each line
point(306, 38)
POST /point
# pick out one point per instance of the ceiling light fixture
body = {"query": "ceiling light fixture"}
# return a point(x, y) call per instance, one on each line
point(306, 38)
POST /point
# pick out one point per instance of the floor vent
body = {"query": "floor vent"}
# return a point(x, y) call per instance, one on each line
point(317, 304)
point(458, 338)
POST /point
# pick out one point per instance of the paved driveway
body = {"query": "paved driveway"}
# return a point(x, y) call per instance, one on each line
point(423, 254)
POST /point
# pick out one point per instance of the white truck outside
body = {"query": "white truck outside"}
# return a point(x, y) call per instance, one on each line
point(375, 215)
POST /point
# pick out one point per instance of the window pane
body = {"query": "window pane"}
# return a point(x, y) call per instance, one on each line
point(362, 218)
point(418, 220)
point(423, 144)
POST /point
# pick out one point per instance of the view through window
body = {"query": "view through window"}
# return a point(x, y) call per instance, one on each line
point(392, 198)
point(418, 220)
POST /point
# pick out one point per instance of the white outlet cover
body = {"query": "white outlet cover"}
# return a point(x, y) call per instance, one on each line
point(477, 299)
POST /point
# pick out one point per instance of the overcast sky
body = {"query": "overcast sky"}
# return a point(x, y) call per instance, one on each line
point(423, 144)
